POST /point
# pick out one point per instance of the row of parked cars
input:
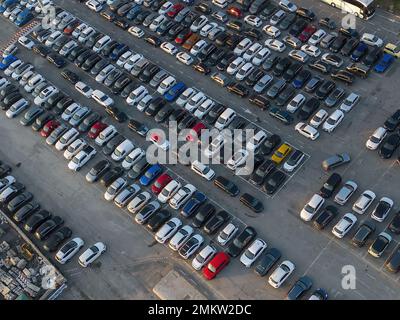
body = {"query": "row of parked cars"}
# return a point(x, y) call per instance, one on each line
point(322, 217)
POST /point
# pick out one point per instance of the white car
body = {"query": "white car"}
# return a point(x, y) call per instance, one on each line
point(312, 207)
point(253, 252)
point(238, 159)
point(95, 5)
point(84, 89)
point(199, 45)
point(256, 140)
point(287, 5)
point(168, 230)
point(53, 38)
point(214, 147)
point(161, 143)
point(244, 71)
point(191, 246)
point(272, 31)
point(349, 103)
point(185, 58)
point(317, 37)
point(296, 103)
point(103, 74)
point(182, 196)
point(185, 97)
point(25, 78)
point(344, 225)
point(165, 7)
point(371, 40)
point(70, 111)
point(204, 108)
point(67, 48)
point(74, 148)
point(166, 84)
point(250, 53)
point(281, 273)
point(68, 250)
point(132, 61)
point(344, 194)
point(195, 101)
point(17, 107)
point(333, 121)
point(115, 188)
point(364, 201)
point(332, 59)
point(298, 55)
point(81, 158)
point(146, 212)
point(169, 191)
point(136, 32)
point(376, 138)
point(132, 158)
point(261, 56)
point(307, 131)
point(275, 45)
point(180, 237)
point(203, 257)
point(208, 28)
point(311, 50)
point(122, 150)
point(124, 58)
point(4, 83)
point(6, 182)
point(102, 99)
point(139, 202)
point(136, 95)
point(157, 22)
point(319, 118)
point(227, 234)
point(126, 195)
point(66, 139)
point(78, 30)
point(203, 170)
point(242, 46)
point(169, 48)
point(382, 209)
point(26, 42)
point(106, 135)
point(91, 254)
point(235, 65)
point(253, 20)
point(199, 23)
point(44, 95)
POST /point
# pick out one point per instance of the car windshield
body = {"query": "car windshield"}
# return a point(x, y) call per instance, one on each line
point(331, 121)
point(309, 209)
point(249, 254)
point(375, 139)
point(94, 249)
point(75, 160)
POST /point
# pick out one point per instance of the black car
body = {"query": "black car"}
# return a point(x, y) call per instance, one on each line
point(8, 90)
point(112, 144)
point(41, 50)
point(36, 220)
point(4, 170)
point(270, 144)
point(298, 27)
point(106, 51)
point(292, 71)
point(75, 52)
point(253, 78)
point(225, 61)
point(306, 14)
point(281, 66)
point(112, 77)
point(138, 127)
point(328, 23)
point(26, 211)
point(392, 264)
point(174, 31)
point(274, 182)
point(19, 201)
point(241, 241)
point(165, 27)
point(221, 38)
point(203, 215)
point(284, 97)
point(251, 202)
point(90, 62)
point(281, 115)
point(9, 100)
point(238, 88)
point(393, 121)
point(325, 217)
point(372, 57)
point(89, 121)
point(287, 21)
point(141, 17)
point(206, 52)
point(187, 122)
point(153, 40)
point(158, 219)
point(164, 113)
point(177, 115)
point(201, 67)
point(325, 89)
point(233, 40)
point(100, 65)
point(138, 168)
point(149, 72)
point(380, 244)
point(237, 123)
point(55, 59)
point(309, 107)
point(117, 114)
point(98, 170)
point(350, 45)
point(53, 242)
point(389, 146)
point(155, 106)
point(258, 176)
point(276, 88)
point(394, 225)
point(47, 227)
point(214, 113)
point(42, 120)
point(321, 66)
point(53, 100)
point(72, 77)
point(253, 33)
point(226, 185)
point(363, 233)
point(338, 44)
point(216, 222)
point(261, 101)
point(299, 288)
point(330, 185)
point(16, 189)
point(267, 261)
point(110, 176)
point(63, 104)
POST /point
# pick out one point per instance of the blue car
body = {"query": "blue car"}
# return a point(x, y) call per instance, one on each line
point(384, 63)
point(193, 204)
point(7, 4)
point(118, 51)
point(7, 61)
point(150, 174)
point(24, 17)
point(175, 91)
point(359, 52)
point(133, 13)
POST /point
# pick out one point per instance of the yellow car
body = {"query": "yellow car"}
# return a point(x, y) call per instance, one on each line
point(392, 49)
point(281, 153)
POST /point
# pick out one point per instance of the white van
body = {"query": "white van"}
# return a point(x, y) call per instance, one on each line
point(124, 148)
point(101, 43)
point(166, 84)
point(225, 119)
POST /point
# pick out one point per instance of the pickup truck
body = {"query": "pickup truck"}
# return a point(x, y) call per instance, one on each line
point(83, 156)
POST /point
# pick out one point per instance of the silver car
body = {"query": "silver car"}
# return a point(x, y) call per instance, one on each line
point(263, 83)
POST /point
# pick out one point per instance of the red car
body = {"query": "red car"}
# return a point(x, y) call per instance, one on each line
point(183, 36)
point(48, 128)
point(220, 261)
point(160, 183)
point(193, 136)
point(96, 129)
point(176, 8)
point(234, 11)
point(71, 27)
point(307, 33)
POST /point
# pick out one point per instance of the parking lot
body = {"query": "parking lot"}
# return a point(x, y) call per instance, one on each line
point(125, 268)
